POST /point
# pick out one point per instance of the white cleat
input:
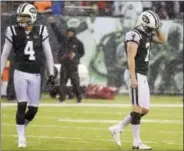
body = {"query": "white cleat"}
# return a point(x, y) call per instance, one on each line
point(22, 144)
point(115, 135)
point(141, 146)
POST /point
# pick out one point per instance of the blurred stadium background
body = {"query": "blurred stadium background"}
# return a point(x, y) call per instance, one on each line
point(104, 24)
point(101, 25)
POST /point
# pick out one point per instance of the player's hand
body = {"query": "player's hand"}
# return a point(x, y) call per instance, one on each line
point(51, 19)
point(134, 83)
point(72, 55)
point(50, 83)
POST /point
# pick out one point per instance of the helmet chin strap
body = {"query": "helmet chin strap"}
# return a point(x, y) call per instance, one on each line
point(26, 24)
point(23, 24)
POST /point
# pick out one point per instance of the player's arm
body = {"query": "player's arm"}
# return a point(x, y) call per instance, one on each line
point(56, 30)
point(6, 48)
point(47, 52)
point(131, 52)
point(132, 40)
point(159, 37)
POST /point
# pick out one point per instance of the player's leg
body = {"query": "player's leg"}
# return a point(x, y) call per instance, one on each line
point(21, 86)
point(30, 114)
point(140, 107)
point(135, 116)
point(74, 76)
point(34, 89)
point(127, 120)
point(117, 129)
point(146, 103)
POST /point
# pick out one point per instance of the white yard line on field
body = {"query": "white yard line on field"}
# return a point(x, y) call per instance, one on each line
point(173, 132)
point(94, 105)
point(164, 114)
point(56, 117)
point(48, 137)
point(116, 121)
point(158, 121)
point(85, 127)
point(77, 139)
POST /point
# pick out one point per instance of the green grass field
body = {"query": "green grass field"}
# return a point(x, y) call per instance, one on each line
point(72, 126)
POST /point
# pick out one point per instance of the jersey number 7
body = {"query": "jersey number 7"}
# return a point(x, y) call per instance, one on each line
point(148, 51)
point(28, 50)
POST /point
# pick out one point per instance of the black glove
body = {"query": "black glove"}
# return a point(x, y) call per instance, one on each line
point(50, 83)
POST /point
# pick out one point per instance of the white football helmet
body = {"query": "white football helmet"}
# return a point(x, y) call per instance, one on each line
point(149, 20)
point(26, 14)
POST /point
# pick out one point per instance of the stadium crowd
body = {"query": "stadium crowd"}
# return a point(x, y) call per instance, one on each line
point(165, 9)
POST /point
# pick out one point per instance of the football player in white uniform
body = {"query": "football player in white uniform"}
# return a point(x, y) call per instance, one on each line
point(137, 47)
point(29, 42)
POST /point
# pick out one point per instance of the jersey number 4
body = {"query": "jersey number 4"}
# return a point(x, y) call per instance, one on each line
point(28, 50)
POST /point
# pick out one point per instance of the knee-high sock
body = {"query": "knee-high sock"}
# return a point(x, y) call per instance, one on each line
point(125, 122)
point(20, 120)
point(136, 117)
point(136, 134)
point(21, 132)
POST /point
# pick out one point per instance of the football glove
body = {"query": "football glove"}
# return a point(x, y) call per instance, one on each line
point(50, 83)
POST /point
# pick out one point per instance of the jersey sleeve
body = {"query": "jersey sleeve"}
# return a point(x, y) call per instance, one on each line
point(133, 36)
point(8, 34)
point(48, 55)
point(5, 53)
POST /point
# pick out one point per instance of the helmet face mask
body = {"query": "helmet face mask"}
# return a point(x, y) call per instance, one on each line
point(26, 15)
point(24, 20)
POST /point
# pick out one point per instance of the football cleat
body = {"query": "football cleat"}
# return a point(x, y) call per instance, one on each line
point(115, 135)
point(141, 146)
point(22, 144)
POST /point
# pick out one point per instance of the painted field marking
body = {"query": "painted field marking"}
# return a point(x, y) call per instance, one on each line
point(90, 139)
point(163, 115)
point(84, 127)
point(105, 121)
point(48, 137)
point(94, 105)
point(116, 121)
